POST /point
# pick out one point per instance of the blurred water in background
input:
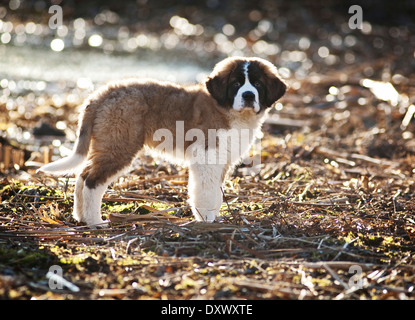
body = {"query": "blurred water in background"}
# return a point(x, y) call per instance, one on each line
point(82, 67)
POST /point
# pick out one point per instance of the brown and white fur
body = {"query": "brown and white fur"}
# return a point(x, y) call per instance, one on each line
point(125, 116)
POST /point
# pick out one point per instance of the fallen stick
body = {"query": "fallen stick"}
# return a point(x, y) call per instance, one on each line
point(344, 201)
point(158, 215)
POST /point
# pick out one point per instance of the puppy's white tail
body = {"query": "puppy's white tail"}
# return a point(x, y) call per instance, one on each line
point(76, 159)
point(66, 165)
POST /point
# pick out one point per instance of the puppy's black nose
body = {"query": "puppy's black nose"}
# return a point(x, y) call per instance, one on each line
point(248, 96)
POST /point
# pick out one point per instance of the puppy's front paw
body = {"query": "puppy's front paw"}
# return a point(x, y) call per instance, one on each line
point(98, 224)
point(206, 215)
point(103, 224)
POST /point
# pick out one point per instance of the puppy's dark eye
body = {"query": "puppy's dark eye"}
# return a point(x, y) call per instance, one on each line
point(257, 84)
point(237, 84)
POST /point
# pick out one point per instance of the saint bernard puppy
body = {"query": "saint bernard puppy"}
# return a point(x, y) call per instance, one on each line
point(125, 116)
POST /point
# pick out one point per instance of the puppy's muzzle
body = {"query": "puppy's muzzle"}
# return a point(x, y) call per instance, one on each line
point(249, 99)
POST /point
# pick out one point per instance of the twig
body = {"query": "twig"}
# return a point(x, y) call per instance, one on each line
point(335, 276)
point(325, 203)
point(243, 247)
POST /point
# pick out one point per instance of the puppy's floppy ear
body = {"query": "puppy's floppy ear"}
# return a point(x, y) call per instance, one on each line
point(217, 87)
point(276, 88)
point(217, 82)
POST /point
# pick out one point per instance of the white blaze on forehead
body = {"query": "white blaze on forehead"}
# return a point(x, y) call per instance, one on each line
point(239, 102)
point(246, 65)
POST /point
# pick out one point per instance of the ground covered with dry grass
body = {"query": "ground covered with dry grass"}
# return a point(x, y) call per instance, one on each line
point(328, 213)
point(315, 223)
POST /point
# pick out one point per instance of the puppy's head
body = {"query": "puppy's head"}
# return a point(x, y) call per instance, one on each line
point(241, 83)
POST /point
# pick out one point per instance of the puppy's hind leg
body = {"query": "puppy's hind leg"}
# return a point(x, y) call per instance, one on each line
point(91, 206)
point(78, 199)
point(102, 169)
point(112, 149)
